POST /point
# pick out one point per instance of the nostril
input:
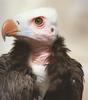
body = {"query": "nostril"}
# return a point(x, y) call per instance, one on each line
point(52, 29)
point(18, 22)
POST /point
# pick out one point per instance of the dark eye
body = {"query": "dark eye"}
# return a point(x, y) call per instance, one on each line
point(38, 21)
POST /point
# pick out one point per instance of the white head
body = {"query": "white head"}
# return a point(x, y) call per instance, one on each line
point(38, 24)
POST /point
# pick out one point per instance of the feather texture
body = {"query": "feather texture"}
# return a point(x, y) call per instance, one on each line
point(18, 82)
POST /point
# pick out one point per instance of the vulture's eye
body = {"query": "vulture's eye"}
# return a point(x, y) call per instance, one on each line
point(39, 21)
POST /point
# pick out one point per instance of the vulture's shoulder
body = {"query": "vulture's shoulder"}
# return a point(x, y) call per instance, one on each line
point(77, 67)
point(5, 63)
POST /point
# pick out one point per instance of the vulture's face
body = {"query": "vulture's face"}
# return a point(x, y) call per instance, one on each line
point(38, 24)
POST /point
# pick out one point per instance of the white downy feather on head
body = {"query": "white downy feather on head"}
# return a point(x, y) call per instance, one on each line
point(49, 13)
point(46, 32)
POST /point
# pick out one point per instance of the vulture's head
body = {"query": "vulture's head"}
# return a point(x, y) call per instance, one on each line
point(37, 24)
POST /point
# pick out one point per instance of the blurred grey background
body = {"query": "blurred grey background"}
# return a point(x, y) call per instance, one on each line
point(72, 20)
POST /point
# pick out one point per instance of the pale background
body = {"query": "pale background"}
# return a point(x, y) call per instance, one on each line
point(73, 25)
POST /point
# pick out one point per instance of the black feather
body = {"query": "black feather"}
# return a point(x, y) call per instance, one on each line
point(65, 74)
point(18, 82)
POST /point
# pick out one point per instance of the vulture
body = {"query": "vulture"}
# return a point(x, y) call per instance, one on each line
point(38, 67)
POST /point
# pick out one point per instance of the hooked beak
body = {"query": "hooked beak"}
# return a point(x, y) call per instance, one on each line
point(9, 28)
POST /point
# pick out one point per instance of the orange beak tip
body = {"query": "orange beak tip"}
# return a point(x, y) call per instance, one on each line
point(9, 29)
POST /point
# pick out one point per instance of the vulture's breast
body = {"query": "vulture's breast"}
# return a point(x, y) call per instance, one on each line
point(38, 63)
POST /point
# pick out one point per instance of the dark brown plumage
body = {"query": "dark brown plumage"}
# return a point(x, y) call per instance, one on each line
point(65, 74)
point(18, 82)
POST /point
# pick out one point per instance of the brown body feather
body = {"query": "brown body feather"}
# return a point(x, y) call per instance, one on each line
point(18, 82)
